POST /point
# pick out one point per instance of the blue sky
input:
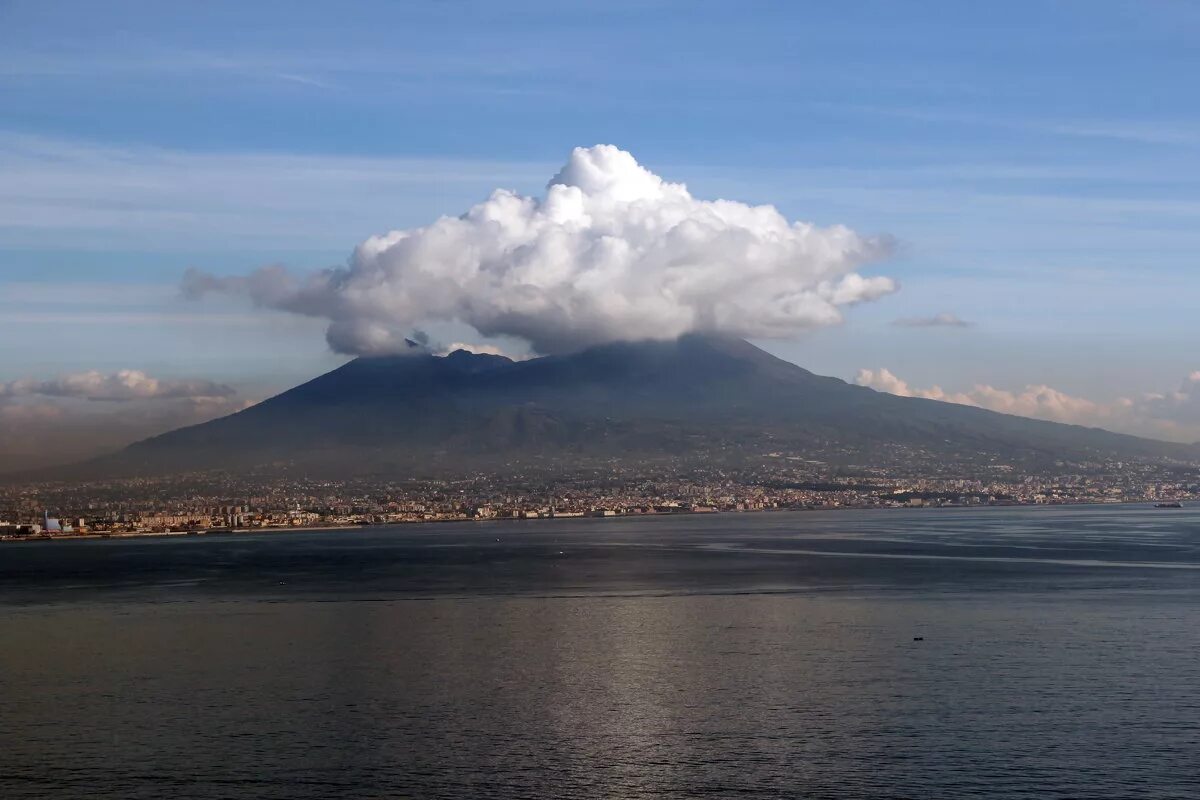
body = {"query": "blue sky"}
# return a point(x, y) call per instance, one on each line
point(1038, 164)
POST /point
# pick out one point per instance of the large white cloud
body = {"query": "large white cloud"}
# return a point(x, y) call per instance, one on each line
point(1171, 415)
point(611, 252)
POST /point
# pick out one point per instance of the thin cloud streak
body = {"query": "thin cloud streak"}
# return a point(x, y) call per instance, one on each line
point(248, 319)
point(1184, 133)
point(944, 319)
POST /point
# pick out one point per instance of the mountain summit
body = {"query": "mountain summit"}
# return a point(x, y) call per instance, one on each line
point(702, 397)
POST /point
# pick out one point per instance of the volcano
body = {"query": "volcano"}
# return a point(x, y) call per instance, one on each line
point(705, 398)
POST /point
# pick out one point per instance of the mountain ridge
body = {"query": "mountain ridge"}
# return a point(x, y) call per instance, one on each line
point(699, 396)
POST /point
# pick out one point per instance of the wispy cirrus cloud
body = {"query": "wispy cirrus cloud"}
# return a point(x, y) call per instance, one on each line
point(78, 194)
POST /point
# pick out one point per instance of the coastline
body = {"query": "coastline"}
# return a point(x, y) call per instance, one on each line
point(708, 512)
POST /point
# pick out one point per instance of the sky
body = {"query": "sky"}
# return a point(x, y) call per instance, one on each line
point(1018, 183)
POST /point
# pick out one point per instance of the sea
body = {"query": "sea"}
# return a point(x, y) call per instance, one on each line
point(1032, 652)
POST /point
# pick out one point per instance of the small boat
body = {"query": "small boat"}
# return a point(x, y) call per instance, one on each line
point(1169, 505)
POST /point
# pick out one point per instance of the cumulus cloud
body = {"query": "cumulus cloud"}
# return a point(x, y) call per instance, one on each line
point(1172, 415)
point(943, 320)
point(126, 384)
point(610, 252)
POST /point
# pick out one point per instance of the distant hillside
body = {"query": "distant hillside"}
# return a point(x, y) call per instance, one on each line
point(706, 396)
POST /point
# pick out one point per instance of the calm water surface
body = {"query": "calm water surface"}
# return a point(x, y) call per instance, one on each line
point(754, 655)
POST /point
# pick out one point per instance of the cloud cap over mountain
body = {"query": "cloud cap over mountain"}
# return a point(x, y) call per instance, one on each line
point(611, 252)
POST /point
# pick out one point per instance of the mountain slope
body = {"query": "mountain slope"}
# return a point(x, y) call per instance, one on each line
point(700, 396)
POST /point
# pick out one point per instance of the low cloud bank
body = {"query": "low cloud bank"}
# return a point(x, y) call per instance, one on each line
point(1171, 415)
point(44, 422)
point(610, 252)
point(126, 384)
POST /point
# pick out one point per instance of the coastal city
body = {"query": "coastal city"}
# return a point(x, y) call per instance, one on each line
point(218, 502)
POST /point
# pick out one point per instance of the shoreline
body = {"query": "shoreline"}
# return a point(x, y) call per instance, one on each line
point(714, 512)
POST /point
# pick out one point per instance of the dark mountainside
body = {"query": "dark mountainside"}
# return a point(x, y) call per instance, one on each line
point(709, 398)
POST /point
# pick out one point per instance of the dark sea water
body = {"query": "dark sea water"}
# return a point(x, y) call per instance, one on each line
point(752, 655)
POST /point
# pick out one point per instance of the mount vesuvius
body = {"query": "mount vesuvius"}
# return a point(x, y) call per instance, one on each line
point(700, 397)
